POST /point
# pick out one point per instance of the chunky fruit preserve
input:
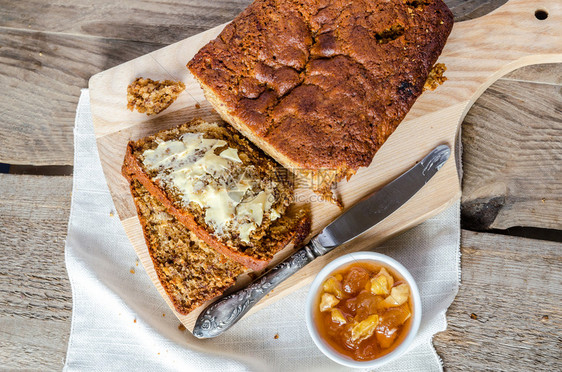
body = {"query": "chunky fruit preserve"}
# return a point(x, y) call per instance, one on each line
point(364, 310)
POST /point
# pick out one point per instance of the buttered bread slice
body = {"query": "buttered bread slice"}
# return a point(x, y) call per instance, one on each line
point(225, 190)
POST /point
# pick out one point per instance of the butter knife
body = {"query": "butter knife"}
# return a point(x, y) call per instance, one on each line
point(225, 312)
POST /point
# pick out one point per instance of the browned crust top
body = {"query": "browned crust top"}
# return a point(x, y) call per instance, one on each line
point(324, 82)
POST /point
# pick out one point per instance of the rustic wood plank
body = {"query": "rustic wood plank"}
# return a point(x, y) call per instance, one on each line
point(548, 73)
point(35, 295)
point(470, 9)
point(44, 73)
point(512, 140)
point(155, 21)
point(507, 315)
point(33, 345)
point(143, 21)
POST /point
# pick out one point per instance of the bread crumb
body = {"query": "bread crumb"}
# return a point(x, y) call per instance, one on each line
point(111, 214)
point(134, 320)
point(181, 327)
point(276, 336)
point(152, 96)
point(132, 271)
point(40, 54)
point(544, 318)
point(435, 77)
point(163, 314)
point(473, 316)
point(197, 106)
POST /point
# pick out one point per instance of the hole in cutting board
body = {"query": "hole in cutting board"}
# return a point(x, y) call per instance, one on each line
point(541, 14)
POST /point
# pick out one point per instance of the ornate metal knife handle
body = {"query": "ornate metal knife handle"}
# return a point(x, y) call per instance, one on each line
point(224, 313)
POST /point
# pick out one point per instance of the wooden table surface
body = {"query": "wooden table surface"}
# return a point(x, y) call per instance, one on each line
point(507, 315)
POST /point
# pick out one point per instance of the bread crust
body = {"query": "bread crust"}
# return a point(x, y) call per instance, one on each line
point(132, 169)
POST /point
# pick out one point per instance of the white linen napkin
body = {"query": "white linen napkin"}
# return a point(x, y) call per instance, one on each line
point(120, 322)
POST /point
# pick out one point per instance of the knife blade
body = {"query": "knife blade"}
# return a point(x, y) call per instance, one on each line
point(382, 203)
point(225, 312)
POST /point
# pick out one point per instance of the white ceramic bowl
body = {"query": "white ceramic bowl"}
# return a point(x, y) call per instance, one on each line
point(344, 261)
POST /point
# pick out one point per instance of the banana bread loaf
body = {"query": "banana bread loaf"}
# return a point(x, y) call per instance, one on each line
point(321, 84)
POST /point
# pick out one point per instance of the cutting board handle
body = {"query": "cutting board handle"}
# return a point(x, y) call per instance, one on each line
point(480, 51)
point(515, 33)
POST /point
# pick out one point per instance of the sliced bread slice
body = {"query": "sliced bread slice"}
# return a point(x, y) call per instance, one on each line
point(189, 270)
point(223, 188)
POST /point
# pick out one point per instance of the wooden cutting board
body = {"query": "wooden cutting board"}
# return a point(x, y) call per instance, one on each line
point(477, 53)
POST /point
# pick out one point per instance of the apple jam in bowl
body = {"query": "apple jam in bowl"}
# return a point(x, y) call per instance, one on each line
point(363, 309)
